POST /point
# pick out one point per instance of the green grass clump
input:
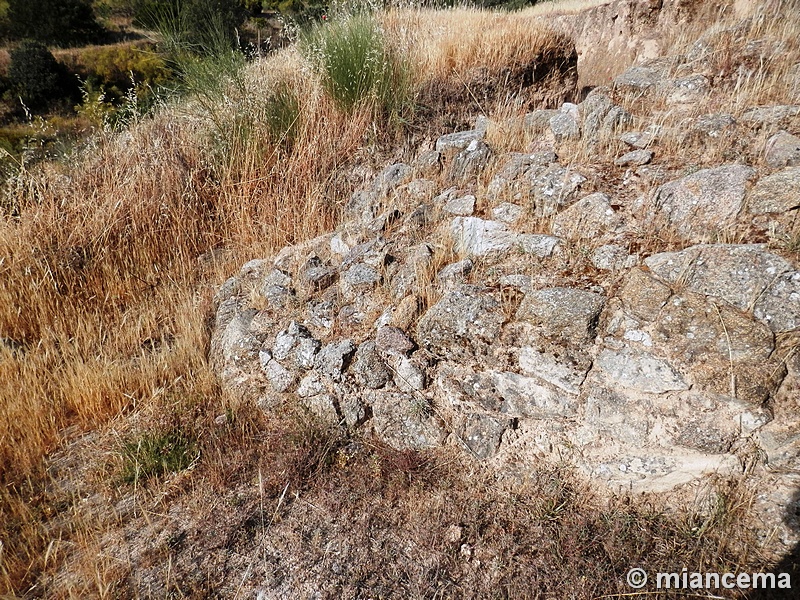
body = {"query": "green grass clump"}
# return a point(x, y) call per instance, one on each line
point(154, 454)
point(356, 64)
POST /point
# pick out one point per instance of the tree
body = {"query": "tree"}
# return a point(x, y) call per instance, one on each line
point(59, 22)
point(36, 75)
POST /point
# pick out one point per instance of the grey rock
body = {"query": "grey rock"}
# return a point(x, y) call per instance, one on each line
point(392, 177)
point(369, 368)
point(470, 161)
point(455, 272)
point(477, 237)
point(297, 343)
point(643, 295)
point(507, 212)
point(782, 150)
point(482, 434)
point(360, 275)
point(567, 314)
point(565, 126)
point(464, 322)
point(688, 90)
point(770, 115)
point(537, 244)
point(463, 206)
point(703, 201)
point(404, 421)
point(561, 372)
point(276, 288)
point(334, 358)
point(588, 218)
point(525, 397)
point(641, 139)
point(714, 125)
point(746, 276)
point(554, 187)
point(613, 257)
point(429, 163)
point(316, 276)
point(362, 207)
point(639, 371)
point(722, 350)
point(777, 193)
point(408, 376)
point(323, 406)
point(635, 158)
point(616, 118)
point(352, 410)
point(417, 190)
point(459, 140)
point(639, 78)
point(279, 377)
point(595, 108)
point(538, 121)
point(311, 385)
point(392, 340)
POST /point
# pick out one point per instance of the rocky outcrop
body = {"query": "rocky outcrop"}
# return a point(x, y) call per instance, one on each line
point(663, 374)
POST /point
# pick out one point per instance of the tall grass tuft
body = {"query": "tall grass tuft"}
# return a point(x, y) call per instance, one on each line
point(357, 65)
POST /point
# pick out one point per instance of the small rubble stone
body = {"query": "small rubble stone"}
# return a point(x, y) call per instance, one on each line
point(688, 90)
point(361, 275)
point(391, 340)
point(587, 218)
point(634, 158)
point(639, 371)
point(613, 257)
point(507, 212)
point(641, 139)
point(465, 321)
point(782, 150)
point(428, 164)
point(538, 121)
point(455, 272)
point(470, 161)
point(569, 314)
point(279, 377)
point(463, 206)
point(369, 368)
point(770, 115)
point(703, 201)
point(565, 126)
point(408, 377)
point(334, 358)
point(404, 421)
point(537, 244)
point(777, 193)
point(639, 78)
point(478, 237)
point(459, 140)
point(482, 434)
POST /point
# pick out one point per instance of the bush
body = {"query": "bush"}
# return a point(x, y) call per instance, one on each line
point(202, 25)
point(156, 453)
point(36, 75)
point(356, 64)
point(60, 22)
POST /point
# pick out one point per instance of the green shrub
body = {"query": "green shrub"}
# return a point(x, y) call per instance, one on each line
point(60, 22)
point(113, 66)
point(356, 65)
point(157, 453)
point(204, 26)
point(282, 114)
point(36, 76)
